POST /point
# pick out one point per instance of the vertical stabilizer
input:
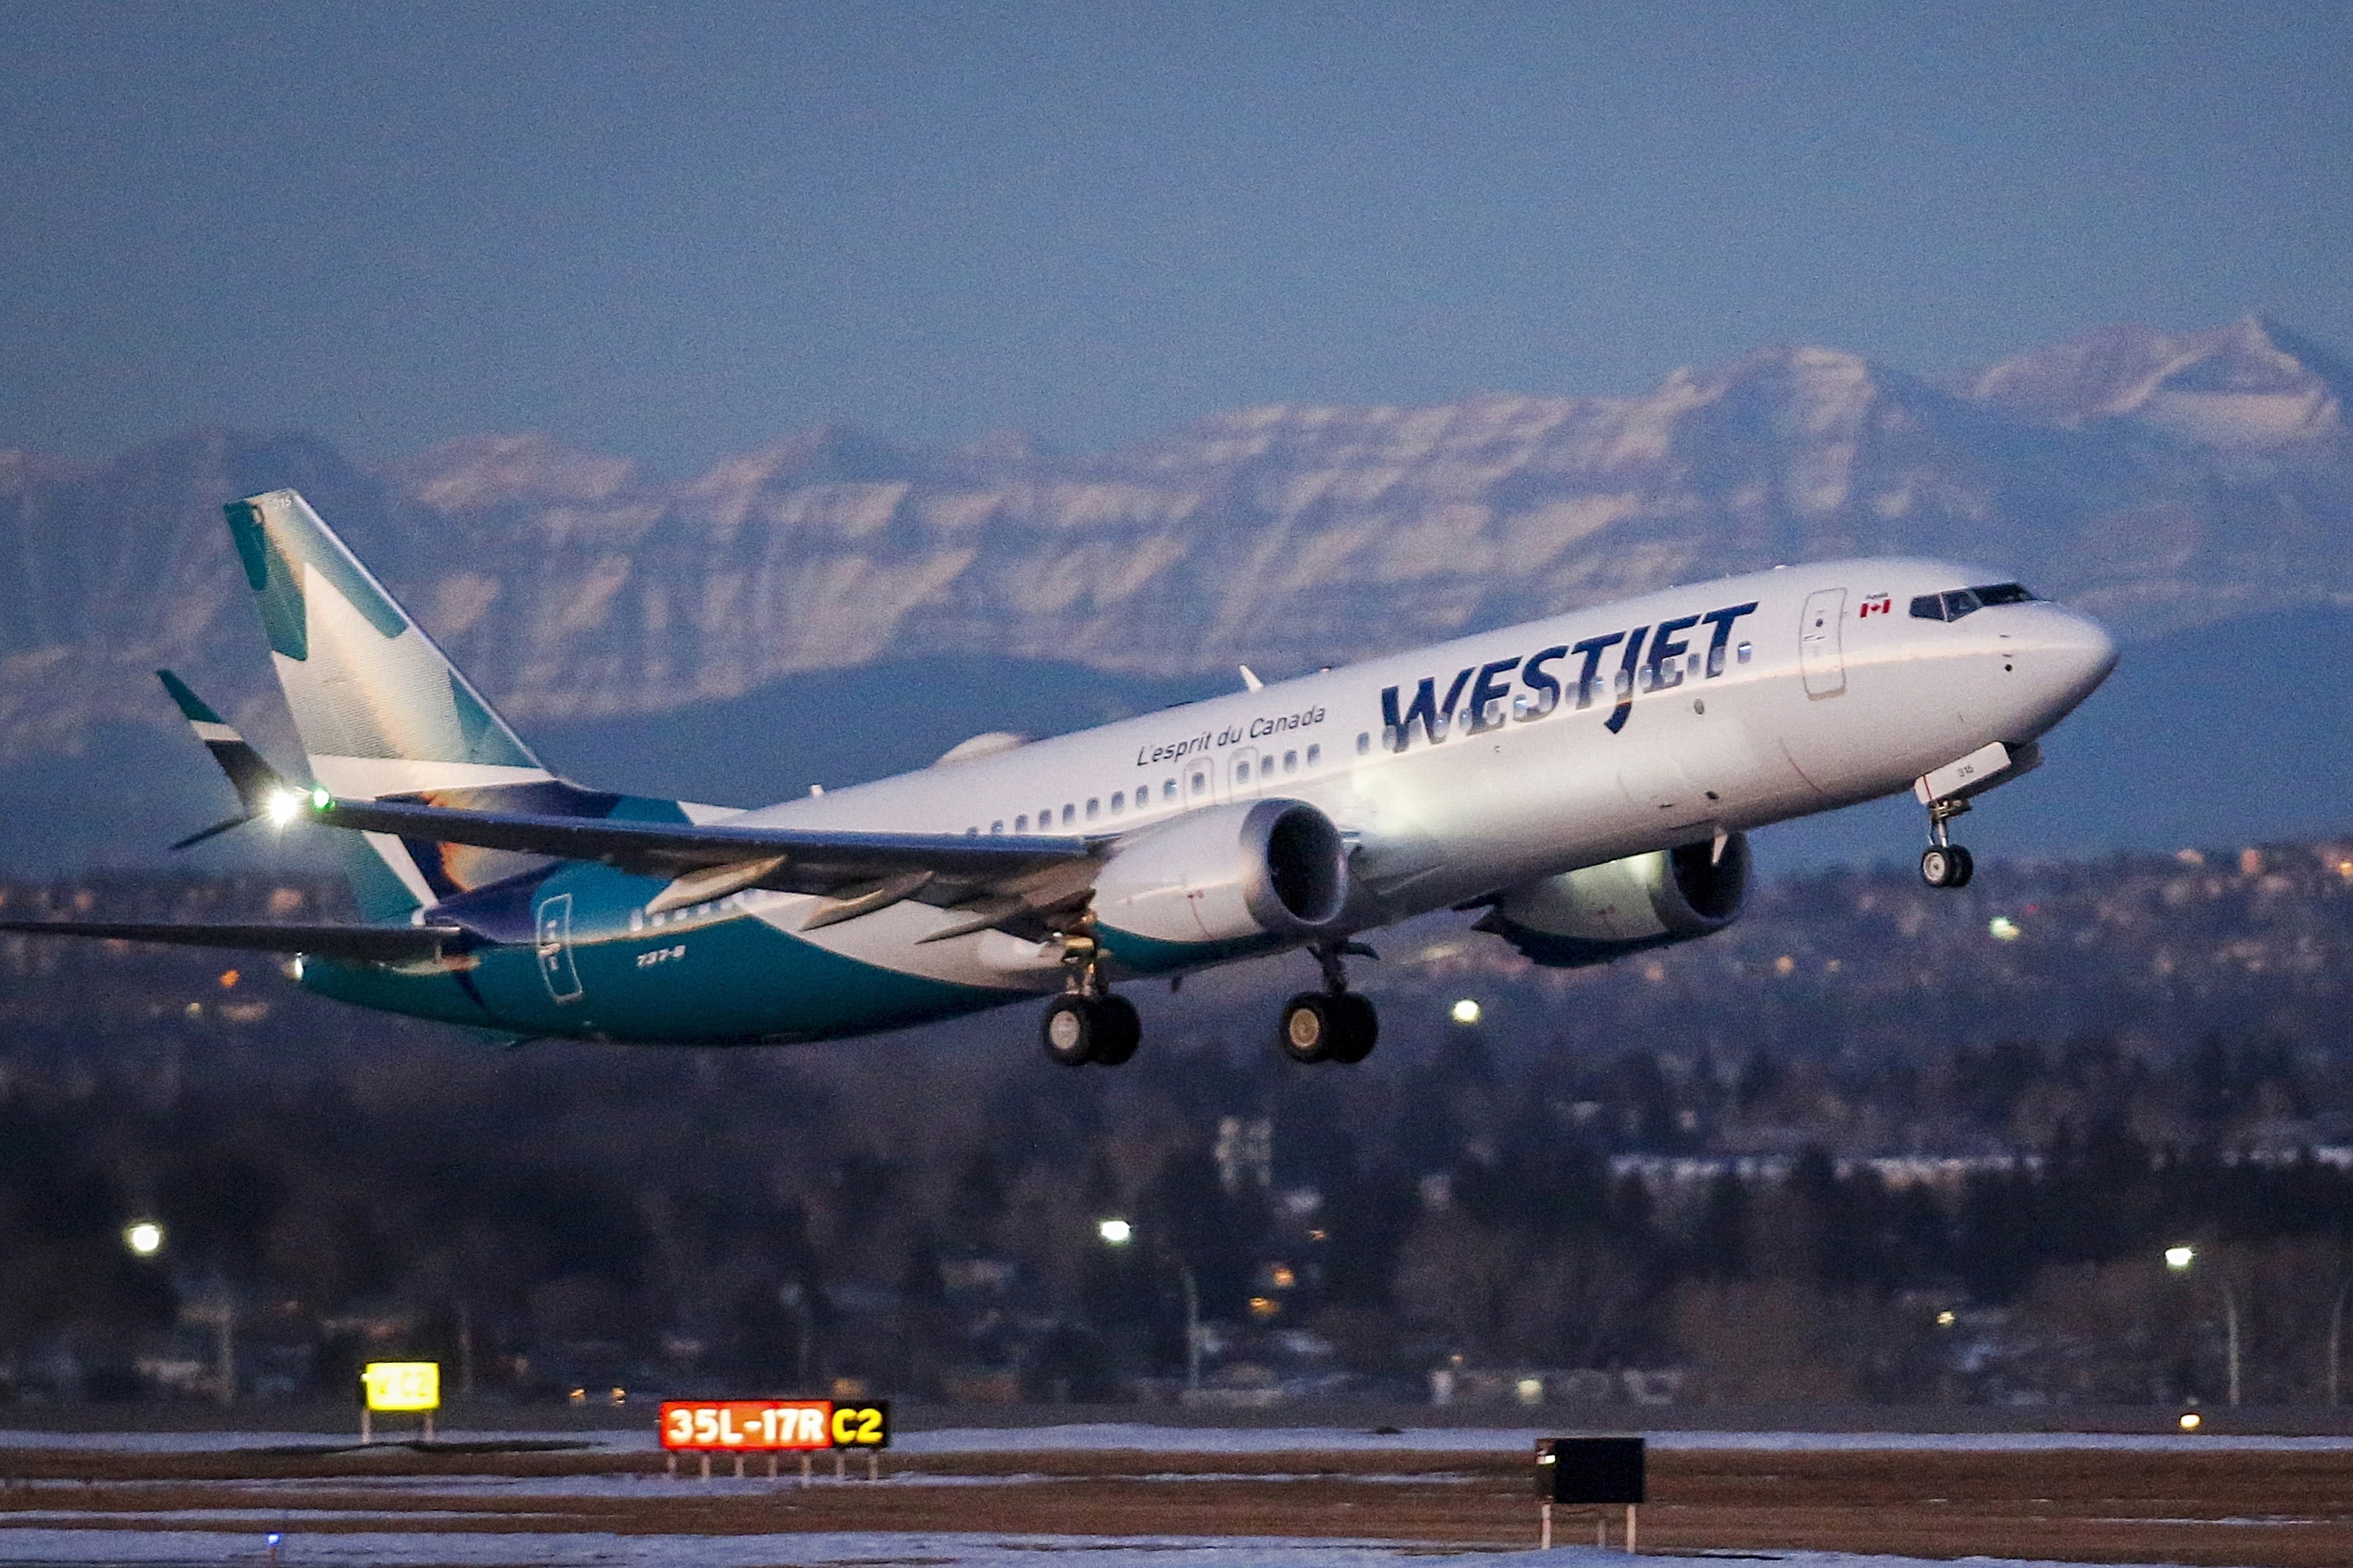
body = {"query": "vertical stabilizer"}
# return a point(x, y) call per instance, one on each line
point(380, 709)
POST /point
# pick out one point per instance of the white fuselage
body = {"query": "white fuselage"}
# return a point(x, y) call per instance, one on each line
point(1827, 692)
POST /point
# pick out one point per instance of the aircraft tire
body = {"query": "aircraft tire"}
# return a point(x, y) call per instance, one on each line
point(1118, 1030)
point(1945, 866)
point(1069, 1031)
point(1310, 1028)
point(1359, 1028)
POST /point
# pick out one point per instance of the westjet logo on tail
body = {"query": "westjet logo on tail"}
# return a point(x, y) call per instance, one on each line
point(1663, 668)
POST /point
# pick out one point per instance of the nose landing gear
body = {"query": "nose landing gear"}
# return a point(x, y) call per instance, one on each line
point(1334, 1024)
point(1945, 863)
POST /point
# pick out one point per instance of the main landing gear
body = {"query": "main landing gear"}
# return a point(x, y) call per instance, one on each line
point(1081, 1029)
point(1334, 1024)
point(1087, 1023)
point(1945, 863)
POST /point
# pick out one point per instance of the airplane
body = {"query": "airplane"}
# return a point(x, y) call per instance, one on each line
point(1585, 782)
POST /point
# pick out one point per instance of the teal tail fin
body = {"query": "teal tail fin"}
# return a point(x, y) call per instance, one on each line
point(380, 709)
point(382, 714)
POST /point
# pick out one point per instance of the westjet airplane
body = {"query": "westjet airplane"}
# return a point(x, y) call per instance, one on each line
point(1585, 780)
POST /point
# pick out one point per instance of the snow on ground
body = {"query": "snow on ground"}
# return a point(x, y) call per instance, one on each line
point(162, 1547)
point(1261, 1441)
point(1475, 1440)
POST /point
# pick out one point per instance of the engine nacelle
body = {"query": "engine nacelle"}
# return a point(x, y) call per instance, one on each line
point(1223, 875)
point(1602, 913)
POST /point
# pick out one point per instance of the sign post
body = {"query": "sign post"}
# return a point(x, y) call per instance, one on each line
point(404, 1387)
point(1589, 1472)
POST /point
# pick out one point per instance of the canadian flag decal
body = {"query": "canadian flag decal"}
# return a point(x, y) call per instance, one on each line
point(1882, 605)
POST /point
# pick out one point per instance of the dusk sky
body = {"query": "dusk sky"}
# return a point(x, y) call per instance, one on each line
point(676, 231)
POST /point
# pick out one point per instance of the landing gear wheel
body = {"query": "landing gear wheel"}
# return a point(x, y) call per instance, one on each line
point(1081, 1029)
point(1360, 1027)
point(1947, 866)
point(1328, 1026)
point(1118, 1030)
point(1310, 1028)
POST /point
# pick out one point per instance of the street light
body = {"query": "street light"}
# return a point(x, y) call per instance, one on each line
point(2178, 1259)
point(145, 1238)
point(1119, 1233)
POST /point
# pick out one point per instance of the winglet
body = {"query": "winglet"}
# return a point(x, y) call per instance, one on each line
point(250, 774)
point(1251, 682)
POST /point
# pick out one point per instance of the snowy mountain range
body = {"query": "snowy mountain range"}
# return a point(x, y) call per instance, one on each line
point(2165, 483)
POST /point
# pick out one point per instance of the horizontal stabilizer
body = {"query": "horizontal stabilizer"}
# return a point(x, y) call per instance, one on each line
point(250, 774)
point(372, 944)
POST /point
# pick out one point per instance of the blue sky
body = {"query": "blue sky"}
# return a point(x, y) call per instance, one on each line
point(675, 231)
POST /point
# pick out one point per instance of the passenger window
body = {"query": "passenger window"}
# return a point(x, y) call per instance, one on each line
point(1744, 650)
point(1199, 782)
point(1118, 801)
point(1021, 823)
point(1094, 808)
point(1291, 761)
point(1070, 814)
point(1363, 744)
point(1168, 789)
point(1241, 772)
point(1315, 755)
point(997, 827)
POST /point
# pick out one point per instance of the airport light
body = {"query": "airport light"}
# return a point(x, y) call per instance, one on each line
point(1115, 1232)
point(2191, 1421)
point(1465, 1012)
point(143, 1238)
point(2178, 1259)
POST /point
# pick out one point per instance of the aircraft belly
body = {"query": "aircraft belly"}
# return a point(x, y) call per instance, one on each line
point(739, 979)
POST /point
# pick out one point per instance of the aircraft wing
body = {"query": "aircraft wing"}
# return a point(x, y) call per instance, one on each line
point(375, 945)
point(995, 880)
point(674, 847)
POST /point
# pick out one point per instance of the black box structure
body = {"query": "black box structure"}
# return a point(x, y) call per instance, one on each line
point(1605, 1471)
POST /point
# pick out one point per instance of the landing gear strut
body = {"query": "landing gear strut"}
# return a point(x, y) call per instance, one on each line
point(1087, 1023)
point(1334, 1024)
point(1945, 863)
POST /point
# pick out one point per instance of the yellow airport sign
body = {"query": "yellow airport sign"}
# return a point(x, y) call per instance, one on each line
point(396, 1385)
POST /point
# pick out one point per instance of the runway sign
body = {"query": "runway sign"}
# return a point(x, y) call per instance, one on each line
point(398, 1385)
point(767, 1425)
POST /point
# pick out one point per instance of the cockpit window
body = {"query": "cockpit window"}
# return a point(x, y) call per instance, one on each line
point(1952, 605)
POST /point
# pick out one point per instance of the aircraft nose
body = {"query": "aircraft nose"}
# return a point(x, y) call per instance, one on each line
point(2076, 652)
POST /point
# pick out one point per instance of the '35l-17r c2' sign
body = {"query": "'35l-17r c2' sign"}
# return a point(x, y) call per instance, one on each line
point(759, 1426)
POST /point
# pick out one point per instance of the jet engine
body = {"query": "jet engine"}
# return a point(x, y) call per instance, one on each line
point(1229, 873)
point(1600, 913)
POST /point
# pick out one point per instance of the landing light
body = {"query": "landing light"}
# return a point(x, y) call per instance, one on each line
point(2001, 928)
point(1465, 1012)
point(2179, 1257)
point(1117, 1231)
point(283, 807)
point(144, 1238)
